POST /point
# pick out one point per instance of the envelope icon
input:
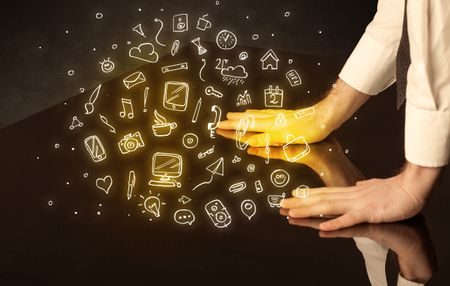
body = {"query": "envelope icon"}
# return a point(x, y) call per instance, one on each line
point(134, 79)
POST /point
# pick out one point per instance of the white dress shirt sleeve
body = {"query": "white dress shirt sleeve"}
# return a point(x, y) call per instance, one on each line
point(427, 124)
point(371, 67)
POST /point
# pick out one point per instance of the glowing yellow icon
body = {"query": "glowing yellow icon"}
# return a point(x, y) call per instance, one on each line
point(275, 200)
point(130, 143)
point(218, 214)
point(212, 126)
point(175, 67)
point(176, 95)
point(304, 112)
point(106, 122)
point(216, 168)
point(104, 183)
point(237, 187)
point(167, 167)
point(162, 128)
point(280, 178)
point(273, 97)
point(244, 123)
point(131, 183)
point(243, 99)
point(302, 192)
point(75, 123)
point(161, 23)
point(280, 120)
point(138, 29)
point(144, 52)
point(127, 109)
point(258, 186)
point(267, 149)
point(151, 204)
point(299, 153)
point(184, 216)
point(107, 65)
point(248, 208)
point(201, 50)
point(134, 79)
point(270, 61)
point(95, 148)
point(293, 78)
point(89, 106)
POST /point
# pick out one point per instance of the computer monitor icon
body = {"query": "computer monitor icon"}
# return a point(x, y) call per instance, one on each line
point(167, 167)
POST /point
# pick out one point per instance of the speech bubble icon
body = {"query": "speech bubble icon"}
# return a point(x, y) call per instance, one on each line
point(184, 216)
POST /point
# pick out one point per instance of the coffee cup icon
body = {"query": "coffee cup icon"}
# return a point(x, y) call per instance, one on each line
point(162, 128)
point(203, 24)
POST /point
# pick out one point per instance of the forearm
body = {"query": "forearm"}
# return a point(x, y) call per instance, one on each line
point(341, 102)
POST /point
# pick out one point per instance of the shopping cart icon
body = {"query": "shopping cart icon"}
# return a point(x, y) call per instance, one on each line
point(275, 200)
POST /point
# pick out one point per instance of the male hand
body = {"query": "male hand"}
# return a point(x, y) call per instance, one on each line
point(277, 127)
point(373, 201)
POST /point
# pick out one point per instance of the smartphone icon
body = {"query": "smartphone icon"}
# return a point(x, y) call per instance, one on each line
point(95, 148)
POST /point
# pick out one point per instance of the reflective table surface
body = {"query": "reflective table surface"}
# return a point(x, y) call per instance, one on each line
point(160, 198)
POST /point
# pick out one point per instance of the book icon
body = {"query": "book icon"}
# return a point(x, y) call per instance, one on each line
point(176, 95)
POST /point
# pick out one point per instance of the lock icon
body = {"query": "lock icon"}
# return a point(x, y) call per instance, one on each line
point(280, 121)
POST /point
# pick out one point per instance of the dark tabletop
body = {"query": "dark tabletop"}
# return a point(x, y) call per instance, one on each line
point(58, 227)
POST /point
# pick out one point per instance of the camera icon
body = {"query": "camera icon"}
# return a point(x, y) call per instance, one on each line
point(130, 143)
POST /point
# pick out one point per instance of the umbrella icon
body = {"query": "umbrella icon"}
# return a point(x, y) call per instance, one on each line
point(215, 168)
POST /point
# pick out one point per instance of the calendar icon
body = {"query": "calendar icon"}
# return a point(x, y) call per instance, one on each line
point(273, 97)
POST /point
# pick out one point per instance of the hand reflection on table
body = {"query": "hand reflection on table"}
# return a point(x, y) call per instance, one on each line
point(335, 167)
point(409, 241)
point(412, 261)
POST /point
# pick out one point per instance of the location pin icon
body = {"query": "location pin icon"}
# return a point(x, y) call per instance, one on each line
point(248, 208)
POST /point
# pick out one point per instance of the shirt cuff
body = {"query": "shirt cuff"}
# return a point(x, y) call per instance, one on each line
point(403, 282)
point(371, 67)
point(427, 136)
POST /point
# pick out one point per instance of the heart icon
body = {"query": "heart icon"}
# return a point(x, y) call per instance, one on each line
point(104, 183)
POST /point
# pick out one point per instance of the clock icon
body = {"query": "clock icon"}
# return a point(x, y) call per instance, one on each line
point(226, 40)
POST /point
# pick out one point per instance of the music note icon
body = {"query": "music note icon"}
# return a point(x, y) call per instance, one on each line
point(127, 106)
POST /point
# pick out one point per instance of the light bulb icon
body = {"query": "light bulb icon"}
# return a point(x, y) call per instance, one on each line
point(152, 205)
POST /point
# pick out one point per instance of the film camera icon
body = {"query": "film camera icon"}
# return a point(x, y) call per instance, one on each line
point(130, 143)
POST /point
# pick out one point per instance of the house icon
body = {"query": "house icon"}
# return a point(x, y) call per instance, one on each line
point(270, 61)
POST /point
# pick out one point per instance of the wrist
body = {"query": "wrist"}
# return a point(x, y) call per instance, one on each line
point(341, 102)
point(420, 179)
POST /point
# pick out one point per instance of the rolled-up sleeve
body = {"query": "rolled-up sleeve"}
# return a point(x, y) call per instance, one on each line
point(371, 67)
point(427, 124)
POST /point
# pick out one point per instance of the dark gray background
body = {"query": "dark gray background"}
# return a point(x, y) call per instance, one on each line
point(34, 79)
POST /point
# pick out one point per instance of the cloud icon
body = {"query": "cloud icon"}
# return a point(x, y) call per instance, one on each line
point(236, 72)
point(144, 52)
